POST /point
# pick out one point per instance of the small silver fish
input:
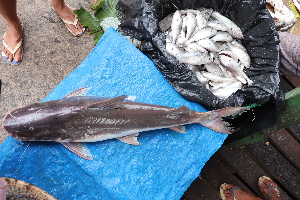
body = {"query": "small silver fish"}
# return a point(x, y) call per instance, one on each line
point(92, 119)
point(202, 17)
point(241, 54)
point(214, 68)
point(176, 25)
point(209, 44)
point(215, 78)
point(232, 28)
point(172, 49)
point(192, 47)
point(234, 67)
point(190, 24)
point(193, 58)
point(222, 36)
point(182, 38)
point(203, 33)
point(220, 26)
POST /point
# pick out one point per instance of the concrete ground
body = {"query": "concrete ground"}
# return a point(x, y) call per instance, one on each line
point(50, 53)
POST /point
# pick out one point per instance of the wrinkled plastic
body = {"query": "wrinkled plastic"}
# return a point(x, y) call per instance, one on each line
point(140, 19)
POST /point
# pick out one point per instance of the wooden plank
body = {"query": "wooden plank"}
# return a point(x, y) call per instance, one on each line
point(215, 173)
point(294, 80)
point(295, 131)
point(284, 142)
point(245, 167)
point(199, 190)
point(280, 168)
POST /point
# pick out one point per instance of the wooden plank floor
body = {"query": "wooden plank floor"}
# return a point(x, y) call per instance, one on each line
point(277, 157)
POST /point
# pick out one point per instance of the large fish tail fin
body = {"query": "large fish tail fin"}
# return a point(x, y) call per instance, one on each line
point(215, 121)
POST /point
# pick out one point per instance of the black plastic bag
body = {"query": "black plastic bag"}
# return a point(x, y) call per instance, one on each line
point(139, 19)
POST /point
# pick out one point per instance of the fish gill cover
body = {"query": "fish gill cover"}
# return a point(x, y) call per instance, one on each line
point(140, 20)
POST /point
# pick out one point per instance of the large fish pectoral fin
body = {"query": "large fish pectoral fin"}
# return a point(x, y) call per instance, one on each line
point(179, 129)
point(129, 139)
point(109, 104)
point(215, 121)
point(78, 92)
point(78, 149)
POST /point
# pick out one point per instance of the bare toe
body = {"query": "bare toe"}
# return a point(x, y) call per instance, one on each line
point(3, 188)
point(231, 192)
point(269, 188)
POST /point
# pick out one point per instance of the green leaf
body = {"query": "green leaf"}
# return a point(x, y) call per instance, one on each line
point(92, 32)
point(97, 6)
point(87, 19)
point(107, 9)
point(97, 37)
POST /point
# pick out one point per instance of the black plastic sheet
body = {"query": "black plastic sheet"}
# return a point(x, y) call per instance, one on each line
point(139, 19)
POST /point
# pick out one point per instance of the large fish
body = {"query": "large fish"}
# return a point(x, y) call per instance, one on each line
point(74, 119)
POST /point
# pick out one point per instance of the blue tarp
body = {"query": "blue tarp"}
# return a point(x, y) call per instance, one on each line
point(161, 167)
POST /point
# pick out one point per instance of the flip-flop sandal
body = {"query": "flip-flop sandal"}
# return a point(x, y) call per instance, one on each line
point(71, 23)
point(270, 187)
point(223, 187)
point(12, 51)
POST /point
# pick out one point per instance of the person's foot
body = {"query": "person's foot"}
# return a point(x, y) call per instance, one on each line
point(231, 192)
point(269, 188)
point(3, 187)
point(12, 37)
point(66, 14)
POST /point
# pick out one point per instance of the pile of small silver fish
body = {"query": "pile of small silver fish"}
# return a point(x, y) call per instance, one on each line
point(207, 43)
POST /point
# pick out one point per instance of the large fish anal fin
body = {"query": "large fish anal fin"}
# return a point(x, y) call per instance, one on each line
point(78, 149)
point(215, 121)
point(179, 129)
point(109, 104)
point(78, 92)
point(129, 139)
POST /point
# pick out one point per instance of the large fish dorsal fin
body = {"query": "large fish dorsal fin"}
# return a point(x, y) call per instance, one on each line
point(181, 109)
point(112, 103)
point(78, 92)
point(130, 139)
point(78, 149)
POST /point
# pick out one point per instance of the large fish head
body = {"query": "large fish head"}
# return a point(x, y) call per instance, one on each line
point(31, 122)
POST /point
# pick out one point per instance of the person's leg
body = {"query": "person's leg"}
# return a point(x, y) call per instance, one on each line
point(3, 188)
point(269, 188)
point(8, 9)
point(65, 12)
point(231, 192)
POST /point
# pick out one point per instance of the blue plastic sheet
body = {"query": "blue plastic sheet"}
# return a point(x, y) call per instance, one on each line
point(161, 167)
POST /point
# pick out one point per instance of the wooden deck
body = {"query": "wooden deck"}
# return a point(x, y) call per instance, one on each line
point(277, 157)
